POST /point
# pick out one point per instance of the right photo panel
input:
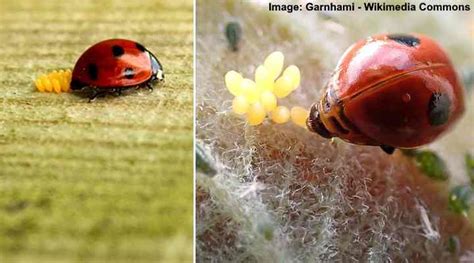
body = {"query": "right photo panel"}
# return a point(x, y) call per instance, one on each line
point(334, 131)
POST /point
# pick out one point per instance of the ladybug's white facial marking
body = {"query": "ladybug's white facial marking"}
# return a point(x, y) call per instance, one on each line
point(407, 40)
point(438, 109)
point(159, 75)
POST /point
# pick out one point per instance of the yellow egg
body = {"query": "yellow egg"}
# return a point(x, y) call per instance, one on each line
point(67, 77)
point(48, 86)
point(299, 116)
point(233, 81)
point(256, 114)
point(294, 73)
point(249, 90)
point(281, 114)
point(268, 100)
point(39, 84)
point(64, 84)
point(263, 79)
point(240, 105)
point(56, 85)
point(274, 64)
point(283, 86)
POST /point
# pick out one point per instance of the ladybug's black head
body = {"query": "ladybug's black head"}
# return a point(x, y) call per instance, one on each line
point(156, 68)
point(315, 124)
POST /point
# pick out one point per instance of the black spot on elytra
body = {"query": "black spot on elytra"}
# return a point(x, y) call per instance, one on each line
point(93, 71)
point(117, 50)
point(140, 47)
point(76, 84)
point(438, 109)
point(405, 39)
point(129, 73)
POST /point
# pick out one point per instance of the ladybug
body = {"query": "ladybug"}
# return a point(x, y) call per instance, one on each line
point(114, 65)
point(392, 91)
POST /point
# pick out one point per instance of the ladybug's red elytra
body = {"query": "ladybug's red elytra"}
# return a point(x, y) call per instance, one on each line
point(113, 65)
point(393, 91)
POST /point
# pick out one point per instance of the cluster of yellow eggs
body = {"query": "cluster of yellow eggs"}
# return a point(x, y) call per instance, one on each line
point(259, 98)
point(56, 81)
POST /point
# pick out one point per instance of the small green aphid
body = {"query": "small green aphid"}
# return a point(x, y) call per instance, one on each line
point(454, 244)
point(204, 162)
point(459, 199)
point(431, 164)
point(470, 166)
point(233, 33)
point(266, 229)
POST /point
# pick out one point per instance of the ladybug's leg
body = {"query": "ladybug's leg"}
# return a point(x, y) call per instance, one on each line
point(150, 87)
point(387, 149)
point(94, 94)
point(118, 92)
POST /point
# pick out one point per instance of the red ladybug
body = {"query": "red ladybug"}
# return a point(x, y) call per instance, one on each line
point(114, 65)
point(393, 91)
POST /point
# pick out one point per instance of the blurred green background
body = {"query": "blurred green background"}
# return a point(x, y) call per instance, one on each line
point(104, 181)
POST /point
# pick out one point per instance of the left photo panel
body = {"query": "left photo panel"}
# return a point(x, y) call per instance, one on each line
point(96, 131)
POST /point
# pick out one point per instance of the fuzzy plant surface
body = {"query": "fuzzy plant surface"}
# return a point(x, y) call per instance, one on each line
point(283, 194)
point(95, 182)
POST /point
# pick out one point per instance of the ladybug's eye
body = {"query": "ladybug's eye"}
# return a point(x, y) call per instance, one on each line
point(407, 40)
